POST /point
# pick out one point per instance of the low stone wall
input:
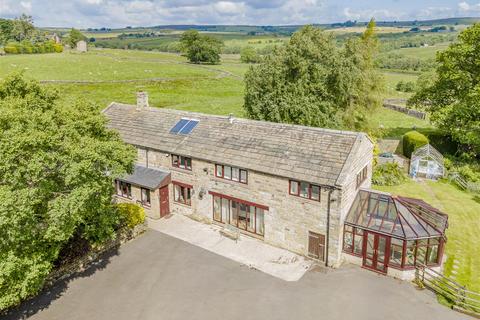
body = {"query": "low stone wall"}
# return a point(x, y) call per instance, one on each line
point(414, 113)
point(82, 263)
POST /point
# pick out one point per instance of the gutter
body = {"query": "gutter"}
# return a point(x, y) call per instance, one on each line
point(328, 227)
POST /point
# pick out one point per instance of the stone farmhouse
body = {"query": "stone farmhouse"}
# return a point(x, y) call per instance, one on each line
point(300, 188)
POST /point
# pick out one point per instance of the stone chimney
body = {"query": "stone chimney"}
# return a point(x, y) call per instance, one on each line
point(142, 100)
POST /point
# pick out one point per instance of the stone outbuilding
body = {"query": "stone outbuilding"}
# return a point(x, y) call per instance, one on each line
point(81, 46)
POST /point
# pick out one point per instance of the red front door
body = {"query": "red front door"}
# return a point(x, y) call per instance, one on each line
point(375, 252)
point(164, 205)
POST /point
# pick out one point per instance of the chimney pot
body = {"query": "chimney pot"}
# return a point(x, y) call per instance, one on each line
point(142, 100)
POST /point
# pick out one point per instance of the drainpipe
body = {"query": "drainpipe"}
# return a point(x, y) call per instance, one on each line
point(328, 227)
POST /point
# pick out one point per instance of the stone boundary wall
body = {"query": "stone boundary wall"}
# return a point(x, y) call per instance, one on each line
point(391, 104)
point(80, 264)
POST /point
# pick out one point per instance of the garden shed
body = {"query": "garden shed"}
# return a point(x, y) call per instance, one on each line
point(427, 162)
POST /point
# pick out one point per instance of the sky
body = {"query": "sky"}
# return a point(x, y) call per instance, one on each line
point(121, 13)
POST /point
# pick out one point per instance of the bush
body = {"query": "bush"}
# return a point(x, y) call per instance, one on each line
point(441, 141)
point(413, 140)
point(11, 49)
point(57, 48)
point(130, 214)
point(27, 47)
point(388, 174)
point(249, 55)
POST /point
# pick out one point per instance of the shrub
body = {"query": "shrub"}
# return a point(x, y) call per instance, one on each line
point(58, 48)
point(130, 214)
point(11, 49)
point(388, 174)
point(413, 140)
point(249, 55)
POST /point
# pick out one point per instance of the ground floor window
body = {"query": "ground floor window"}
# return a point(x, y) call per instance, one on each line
point(124, 189)
point(241, 214)
point(182, 193)
point(401, 253)
point(353, 240)
point(145, 197)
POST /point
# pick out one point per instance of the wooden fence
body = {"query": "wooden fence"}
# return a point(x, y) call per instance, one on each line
point(464, 184)
point(461, 299)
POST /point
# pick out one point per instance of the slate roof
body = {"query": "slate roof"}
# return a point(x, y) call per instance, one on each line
point(146, 177)
point(310, 154)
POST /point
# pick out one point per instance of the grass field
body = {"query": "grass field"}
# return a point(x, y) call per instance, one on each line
point(424, 52)
point(463, 209)
point(170, 81)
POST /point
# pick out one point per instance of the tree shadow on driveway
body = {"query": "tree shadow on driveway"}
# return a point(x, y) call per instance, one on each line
point(50, 293)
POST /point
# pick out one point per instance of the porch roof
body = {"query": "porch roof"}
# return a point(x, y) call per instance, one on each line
point(147, 177)
point(400, 217)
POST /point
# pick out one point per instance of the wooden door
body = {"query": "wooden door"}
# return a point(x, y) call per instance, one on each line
point(164, 202)
point(375, 251)
point(316, 246)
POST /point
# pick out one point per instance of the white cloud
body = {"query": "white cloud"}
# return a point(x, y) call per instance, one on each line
point(26, 5)
point(120, 13)
point(228, 7)
point(467, 8)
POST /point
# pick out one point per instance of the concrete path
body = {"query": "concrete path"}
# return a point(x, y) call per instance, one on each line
point(253, 253)
point(159, 277)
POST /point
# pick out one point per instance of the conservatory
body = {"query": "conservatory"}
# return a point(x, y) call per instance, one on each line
point(384, 231)
point(427, 162)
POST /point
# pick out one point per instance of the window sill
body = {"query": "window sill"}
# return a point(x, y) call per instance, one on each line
point(177, 169)
point(306, 200)
point(233, 182)
point(244, 232)
point(123, 197)
point(182, 204)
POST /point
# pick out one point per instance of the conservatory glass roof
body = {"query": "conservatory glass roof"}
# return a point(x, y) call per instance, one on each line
point(400, 217)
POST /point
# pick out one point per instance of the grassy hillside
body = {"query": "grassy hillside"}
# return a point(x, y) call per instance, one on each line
point(106, 75)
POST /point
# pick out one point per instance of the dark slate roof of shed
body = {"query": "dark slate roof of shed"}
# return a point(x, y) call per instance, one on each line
point(146, 177)
point(305, 153)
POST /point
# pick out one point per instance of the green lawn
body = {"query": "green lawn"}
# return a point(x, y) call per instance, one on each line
point(463, 234)
point(391, 80)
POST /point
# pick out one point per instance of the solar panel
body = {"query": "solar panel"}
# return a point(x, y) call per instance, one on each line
point(180, 124)
point(189, 127)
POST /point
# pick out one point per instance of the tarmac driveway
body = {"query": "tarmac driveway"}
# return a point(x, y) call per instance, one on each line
point(160, 277)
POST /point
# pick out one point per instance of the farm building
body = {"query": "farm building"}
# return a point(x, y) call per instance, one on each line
point(286, 185)
point(427, 162)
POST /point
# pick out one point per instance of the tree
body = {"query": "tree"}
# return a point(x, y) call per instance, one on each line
point(23, 28)
point(6, 28)
point(311, 81)
point(452, 95)
point(57, 165)
point(74, 36)
point(249, 55)
point(200, 48)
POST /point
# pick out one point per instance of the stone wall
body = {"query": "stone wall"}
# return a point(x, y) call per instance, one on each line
point(152, 211)
point(289, 218)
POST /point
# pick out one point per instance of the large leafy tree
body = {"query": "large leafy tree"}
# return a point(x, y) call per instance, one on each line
point(57, 165)
point(74, 36)
point(452, 94)
point(311, 81)
point(200, 48)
